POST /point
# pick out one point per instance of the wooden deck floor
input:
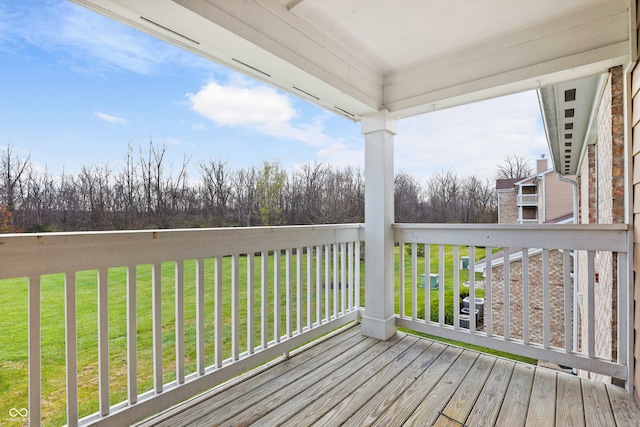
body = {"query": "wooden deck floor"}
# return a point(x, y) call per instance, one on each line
point(350, 380)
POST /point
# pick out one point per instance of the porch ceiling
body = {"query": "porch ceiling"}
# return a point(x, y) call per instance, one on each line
point(359, 56)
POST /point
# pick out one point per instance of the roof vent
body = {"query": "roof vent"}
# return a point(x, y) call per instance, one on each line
point(253, 68)
point(569, 95)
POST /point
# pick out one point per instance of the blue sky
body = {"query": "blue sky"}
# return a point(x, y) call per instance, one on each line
point(77, 89)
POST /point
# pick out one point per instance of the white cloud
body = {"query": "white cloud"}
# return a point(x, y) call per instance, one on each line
point(258, 107)
point(471, 139)
point(109, 118)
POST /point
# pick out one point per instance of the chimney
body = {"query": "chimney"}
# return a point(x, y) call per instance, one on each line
point(541, 165)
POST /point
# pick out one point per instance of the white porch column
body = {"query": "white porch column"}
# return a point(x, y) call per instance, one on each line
point(379, 318)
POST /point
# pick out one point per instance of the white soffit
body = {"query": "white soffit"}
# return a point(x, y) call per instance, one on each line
point(356, 57)
point(568, 112)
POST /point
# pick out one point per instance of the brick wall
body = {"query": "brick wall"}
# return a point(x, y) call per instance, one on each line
point(508, 207)
point(601, 183)
point(556, 293)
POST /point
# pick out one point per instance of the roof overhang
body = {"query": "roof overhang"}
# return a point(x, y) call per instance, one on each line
point(357, 57)
point(569, 114)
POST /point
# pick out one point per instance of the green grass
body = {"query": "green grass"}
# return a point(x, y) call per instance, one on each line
point(14, 343)
point(14, 340)
point(434, 256)
point(476, 348)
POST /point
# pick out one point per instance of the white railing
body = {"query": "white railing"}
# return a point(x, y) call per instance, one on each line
point(178, 311)
point(528, 199)
point(530, 305)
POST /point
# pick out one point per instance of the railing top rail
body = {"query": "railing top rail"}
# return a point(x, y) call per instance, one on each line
point(604, 237)
point(32, 254)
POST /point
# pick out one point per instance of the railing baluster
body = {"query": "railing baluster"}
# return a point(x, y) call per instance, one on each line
point(456, 287)
point(276, 295)
point(309, 294)
point(507, 302)
point(35, 361)
point(319, 285)
point(402, 281)
point(132, 335)
point(336, 284)
point(350, 283)
point(568, 301)
point(299, 290)
point(264, 291)
point(103, 341)
point(427, 282)
point(343, 279)
point(440, 285)
point(591, 307)
point(327, 279)
point(525, 295)
point(217, 312)
point(472, 289)
point(288, 293)
point(356, 288)
point(235, 307)
point(179, 301)
point(414, 281)
point(546, 310)
point(488, 309)
point(71, 348)
point(251, 300)
point(200, 335)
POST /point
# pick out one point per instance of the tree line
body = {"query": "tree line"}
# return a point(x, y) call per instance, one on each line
point(144, 192)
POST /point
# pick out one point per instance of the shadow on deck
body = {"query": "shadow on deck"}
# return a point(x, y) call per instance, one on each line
point(350, 380)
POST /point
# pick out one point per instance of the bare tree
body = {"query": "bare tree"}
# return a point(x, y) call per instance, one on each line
point(407, 198)
point(13, 170)
point(514, 166)
point(216, 191)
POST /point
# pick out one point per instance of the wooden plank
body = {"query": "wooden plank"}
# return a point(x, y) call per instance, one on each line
point(462, 402)
point(625, 409)
point(542, 406)
point(486, 408)
point(516, 401)
point(348, 342)
point(597, 409)
point(398, 410)
point(429, 407)
point(569, 405)
point(311, 404)
point(378, 404)
point(382, 386)
point(269, 398)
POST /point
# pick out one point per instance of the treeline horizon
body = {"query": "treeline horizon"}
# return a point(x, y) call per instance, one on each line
point(146, 193)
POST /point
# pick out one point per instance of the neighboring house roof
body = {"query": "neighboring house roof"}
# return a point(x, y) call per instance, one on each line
point(506, 184)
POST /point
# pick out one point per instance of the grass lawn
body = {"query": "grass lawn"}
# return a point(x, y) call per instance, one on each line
point(14, 340)
point(14, 343)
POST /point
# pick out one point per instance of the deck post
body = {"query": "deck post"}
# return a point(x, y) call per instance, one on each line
point(379, 318)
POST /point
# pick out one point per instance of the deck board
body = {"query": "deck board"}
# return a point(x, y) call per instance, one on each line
point(542, 406)
point(597, 408)
point(465, 397)
point(487, 407)
point(378, 404)
point(569, 410)
point(349, 380)
point(516, 402)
